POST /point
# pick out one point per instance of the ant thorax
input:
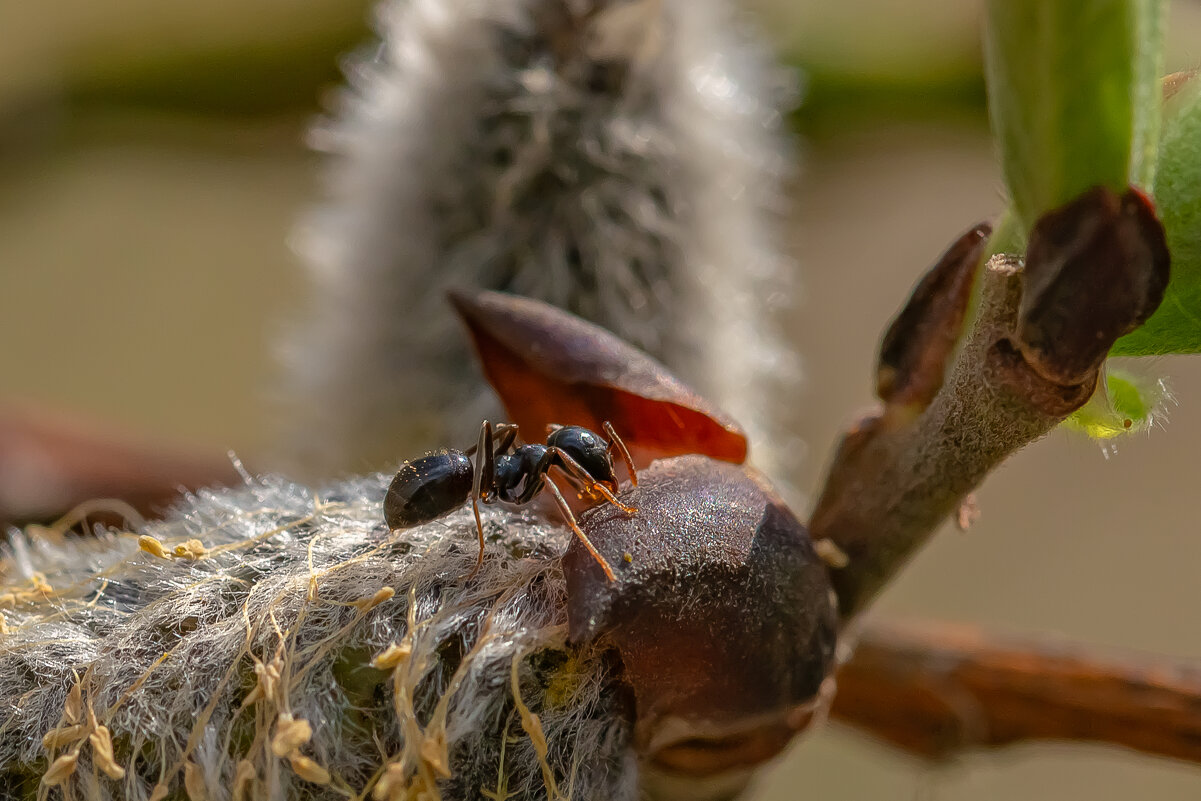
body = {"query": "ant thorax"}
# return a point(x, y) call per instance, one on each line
point(517, 476)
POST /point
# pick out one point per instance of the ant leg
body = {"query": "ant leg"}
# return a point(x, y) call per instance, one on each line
point(479, 528)
point(580, 489)
point(576, 470)
point(485, 465)
point(543, 466)
point(615, 443)
point(566, 510)
point(506, 435)
point(505, 432)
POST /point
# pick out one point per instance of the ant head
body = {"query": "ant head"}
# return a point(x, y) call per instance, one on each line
point(587, 448)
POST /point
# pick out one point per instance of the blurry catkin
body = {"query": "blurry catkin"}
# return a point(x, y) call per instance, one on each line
point(622, 159)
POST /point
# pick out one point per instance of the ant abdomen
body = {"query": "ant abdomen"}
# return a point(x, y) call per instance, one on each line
point(427, 488)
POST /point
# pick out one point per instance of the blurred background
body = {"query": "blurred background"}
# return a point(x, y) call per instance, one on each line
point(152, 164)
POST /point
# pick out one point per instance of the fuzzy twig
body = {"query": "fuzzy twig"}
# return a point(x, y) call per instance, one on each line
point(1095, 269)
point(937, 690)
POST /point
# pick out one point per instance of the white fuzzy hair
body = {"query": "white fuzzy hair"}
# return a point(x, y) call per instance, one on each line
point(627, 167)
point(202, 668)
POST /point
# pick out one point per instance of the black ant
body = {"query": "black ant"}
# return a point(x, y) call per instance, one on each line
point(427, 488)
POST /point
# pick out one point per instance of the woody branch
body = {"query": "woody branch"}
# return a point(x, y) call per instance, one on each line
point(937, 690)
point(955, 406)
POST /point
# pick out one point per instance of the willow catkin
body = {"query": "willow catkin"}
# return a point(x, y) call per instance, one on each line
point(307, 653)
point(622, 159)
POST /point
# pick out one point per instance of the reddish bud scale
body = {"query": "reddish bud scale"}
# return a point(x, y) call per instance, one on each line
point(549, 366)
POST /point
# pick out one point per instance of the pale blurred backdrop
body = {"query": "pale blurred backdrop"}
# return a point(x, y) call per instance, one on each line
point(151, 164)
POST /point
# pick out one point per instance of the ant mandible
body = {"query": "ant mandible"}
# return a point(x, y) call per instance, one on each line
point(427, 488)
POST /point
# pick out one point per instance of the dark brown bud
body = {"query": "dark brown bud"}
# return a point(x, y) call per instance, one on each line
point(721, 613)
point(1096, 268)
point(919, 342)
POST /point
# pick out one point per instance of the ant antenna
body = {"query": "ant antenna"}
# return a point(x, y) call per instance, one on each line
point(615, 443)
point(483, 459)
point(566, 510)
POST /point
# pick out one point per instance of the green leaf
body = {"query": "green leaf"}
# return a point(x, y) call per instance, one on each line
point(1073, 96)
point(1176, 326)
point(1148, 91)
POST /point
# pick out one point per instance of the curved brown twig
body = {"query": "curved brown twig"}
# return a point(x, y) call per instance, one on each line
point(52, 462)
point(937, 690)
